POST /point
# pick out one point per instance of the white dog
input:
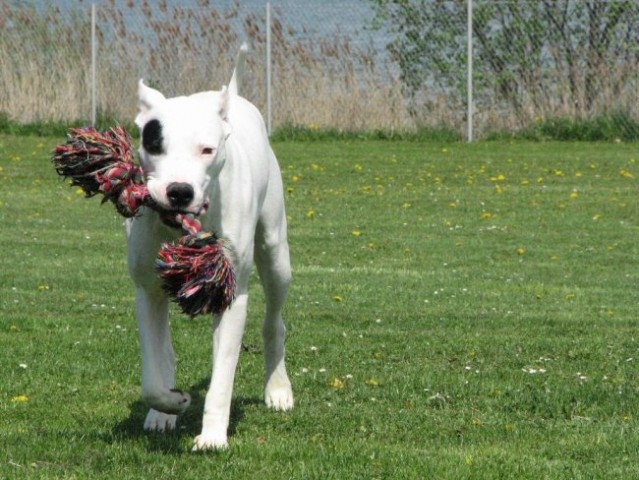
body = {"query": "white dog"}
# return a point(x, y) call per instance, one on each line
point(209, 154)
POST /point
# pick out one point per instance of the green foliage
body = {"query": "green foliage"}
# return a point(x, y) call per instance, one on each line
point(292, 132)
point(614, 127)
point(555, 58)
point(618, 126)
point(57, 128)
point(457, 311)
point(610, 128)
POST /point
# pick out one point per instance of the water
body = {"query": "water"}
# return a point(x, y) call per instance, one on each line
point(310, 18)
point(305, 20)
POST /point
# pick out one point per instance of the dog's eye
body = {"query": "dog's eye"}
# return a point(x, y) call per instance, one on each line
point(152, 139)
point(207, 151)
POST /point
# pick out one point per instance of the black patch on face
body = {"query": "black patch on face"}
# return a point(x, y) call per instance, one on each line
point(152, 138)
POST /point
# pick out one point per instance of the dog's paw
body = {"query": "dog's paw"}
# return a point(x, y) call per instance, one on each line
point(279, 398)
point(210, 441)
point(159, 421)
point(180, 401)
point(171, 402)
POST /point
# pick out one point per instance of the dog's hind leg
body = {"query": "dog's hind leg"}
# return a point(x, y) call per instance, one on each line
point(158, 363)
point(273, 265)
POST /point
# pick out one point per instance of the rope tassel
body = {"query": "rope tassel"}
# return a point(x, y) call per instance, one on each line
point(195, 270)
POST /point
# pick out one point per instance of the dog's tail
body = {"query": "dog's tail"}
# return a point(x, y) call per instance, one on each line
point(238, 73)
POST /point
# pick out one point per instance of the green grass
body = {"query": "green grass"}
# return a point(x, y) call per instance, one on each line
point(457, 312)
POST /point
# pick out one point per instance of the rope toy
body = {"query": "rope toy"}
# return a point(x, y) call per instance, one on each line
point(195, 269)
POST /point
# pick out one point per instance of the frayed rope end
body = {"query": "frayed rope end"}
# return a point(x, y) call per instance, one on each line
point(197, 273)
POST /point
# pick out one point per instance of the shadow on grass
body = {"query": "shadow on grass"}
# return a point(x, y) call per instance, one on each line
point(189, 424)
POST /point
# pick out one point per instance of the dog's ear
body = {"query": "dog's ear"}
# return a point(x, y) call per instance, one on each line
point(148, 98)
point(223, 109)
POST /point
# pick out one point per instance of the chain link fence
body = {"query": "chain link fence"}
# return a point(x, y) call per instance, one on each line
point(349, 65)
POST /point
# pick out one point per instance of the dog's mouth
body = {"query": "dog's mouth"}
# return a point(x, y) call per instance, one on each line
point(172, 217)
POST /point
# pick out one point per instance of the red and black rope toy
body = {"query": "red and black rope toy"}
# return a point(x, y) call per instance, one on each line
point(195, 269)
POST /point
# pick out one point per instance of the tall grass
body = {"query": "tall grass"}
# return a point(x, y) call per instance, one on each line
point(180, 50)
point(45, 58)
point(327, 82)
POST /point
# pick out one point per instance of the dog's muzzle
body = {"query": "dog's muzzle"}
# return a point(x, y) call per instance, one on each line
point(170, 216)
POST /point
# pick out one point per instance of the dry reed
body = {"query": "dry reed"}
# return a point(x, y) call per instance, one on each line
point(318, 83)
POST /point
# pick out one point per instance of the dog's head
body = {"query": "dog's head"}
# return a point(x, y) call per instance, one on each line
point(182, 145)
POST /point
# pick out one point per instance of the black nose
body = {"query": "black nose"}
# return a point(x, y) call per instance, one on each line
point(179, 194)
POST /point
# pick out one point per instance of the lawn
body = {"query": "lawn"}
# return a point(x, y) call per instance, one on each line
point(457, 311)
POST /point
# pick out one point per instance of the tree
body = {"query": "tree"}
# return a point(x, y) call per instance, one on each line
point(553, 57)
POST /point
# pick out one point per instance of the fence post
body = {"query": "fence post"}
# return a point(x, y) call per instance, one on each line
point(93, 67)
point(469, 79)
point(268, 67)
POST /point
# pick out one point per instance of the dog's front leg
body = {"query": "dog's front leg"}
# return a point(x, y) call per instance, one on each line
point(227, 343)
point(158, 363)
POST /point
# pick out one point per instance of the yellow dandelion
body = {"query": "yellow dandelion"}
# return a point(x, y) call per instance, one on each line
point(486, 215)
point(310, 214)
point(406, 205)
point(337, 298)
point(626, 174)
point(295, 178)
point(356, 233)
point(372, 382)
point(574, 195)
point(20, 399)
point(521, 251)
point(336, 384)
